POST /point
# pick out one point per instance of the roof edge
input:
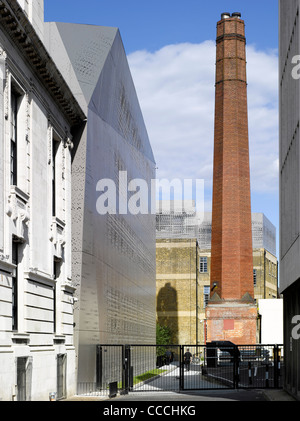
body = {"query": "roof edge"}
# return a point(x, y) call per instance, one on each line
point(16, 24)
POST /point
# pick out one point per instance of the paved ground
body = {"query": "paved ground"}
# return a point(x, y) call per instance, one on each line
point(156, 390)
point(215, 395)
point(243, 395)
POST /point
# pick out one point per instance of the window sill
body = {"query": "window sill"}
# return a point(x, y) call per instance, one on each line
point(19, 193)
point(59, 339)
point(20, 338)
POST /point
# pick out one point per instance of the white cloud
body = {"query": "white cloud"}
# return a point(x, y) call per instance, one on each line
point(175, 86)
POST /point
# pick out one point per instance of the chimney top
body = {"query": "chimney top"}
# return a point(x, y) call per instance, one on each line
point(225, 15)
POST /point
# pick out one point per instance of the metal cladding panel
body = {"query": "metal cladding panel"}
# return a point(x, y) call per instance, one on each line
point(118, 250)
point(114, 263)
point(87, 47)
point(115, 100)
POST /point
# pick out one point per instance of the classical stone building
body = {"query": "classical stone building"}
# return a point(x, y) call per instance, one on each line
point(289, 170)
point(38, 116)
point(183, 259)
point(71, 275)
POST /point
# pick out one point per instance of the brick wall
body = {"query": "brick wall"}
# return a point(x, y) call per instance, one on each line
point(176, 288)
point(235, 323)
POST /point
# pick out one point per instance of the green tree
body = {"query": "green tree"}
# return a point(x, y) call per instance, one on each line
point(163, 337)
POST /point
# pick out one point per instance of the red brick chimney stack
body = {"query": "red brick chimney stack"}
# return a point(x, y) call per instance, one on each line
point(231, 250)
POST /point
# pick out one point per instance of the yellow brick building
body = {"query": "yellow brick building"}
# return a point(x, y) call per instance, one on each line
point(177, 288)
point(183, 286)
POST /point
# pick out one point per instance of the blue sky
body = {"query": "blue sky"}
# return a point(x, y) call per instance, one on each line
point(171, 52)
point(152, 25)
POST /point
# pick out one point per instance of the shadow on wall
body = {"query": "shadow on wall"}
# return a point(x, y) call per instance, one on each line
point(167, 310)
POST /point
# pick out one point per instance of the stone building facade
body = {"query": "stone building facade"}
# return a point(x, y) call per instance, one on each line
point(38, 116)
point(71, 277)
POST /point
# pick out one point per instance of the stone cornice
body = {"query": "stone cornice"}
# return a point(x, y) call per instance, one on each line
point(17, 26)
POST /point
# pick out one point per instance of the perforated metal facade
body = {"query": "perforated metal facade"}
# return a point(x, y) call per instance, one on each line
point(113, 254)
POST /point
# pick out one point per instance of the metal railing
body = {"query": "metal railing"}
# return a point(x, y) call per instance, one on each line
point(217, 365)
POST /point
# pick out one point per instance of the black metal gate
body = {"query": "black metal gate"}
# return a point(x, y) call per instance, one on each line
point(221, 365)
point(216, 365)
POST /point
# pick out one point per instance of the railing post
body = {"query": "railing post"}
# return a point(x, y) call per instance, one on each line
point(249, 372)
point(236, 367)
point(276, 366)
point(126, 368)
point(267, 376)
point(181, 368)
point(124, 391)
point(99, 367)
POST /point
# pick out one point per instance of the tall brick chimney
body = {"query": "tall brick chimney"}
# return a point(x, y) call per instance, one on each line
point(231, 302)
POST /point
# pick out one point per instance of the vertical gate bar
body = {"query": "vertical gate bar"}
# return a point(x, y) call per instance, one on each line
point(278, 366)
point(126, 370)
point(123, 370)
point(99, 367)
point(267, 375)
point(130, 369)
point(249, 373)
point(275, 354)
point(236, 366)
point(181, 369)
point(234, 371)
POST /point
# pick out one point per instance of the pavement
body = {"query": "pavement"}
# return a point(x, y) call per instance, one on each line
point(242, 395)
point(163, 388)
point(278, 395)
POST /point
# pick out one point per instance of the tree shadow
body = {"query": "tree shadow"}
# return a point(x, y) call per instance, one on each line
point(167, 310)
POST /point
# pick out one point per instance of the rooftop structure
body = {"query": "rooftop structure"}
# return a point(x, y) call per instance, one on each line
point(188, 224)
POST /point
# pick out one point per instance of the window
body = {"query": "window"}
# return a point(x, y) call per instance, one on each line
point(13, 137)
point(203, 264)
point(206, 296)
point(15, 261)
point(55, 146)
point(254, 277)
point(56, 269)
